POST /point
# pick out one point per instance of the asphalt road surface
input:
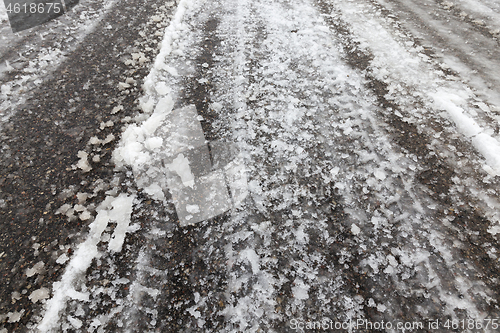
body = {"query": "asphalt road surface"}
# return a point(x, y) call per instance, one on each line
point(252, 166)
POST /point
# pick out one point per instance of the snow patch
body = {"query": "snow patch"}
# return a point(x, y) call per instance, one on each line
point(122, 210)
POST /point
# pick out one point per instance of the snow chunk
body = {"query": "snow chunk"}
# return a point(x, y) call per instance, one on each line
point(180, 165)
point(85, 215)
point(381, 308)
point(103, 124)
point(82, 197)
point(77, 323)
point(94, 140)
point(16, 296)
point(147, 105)
point(193, 209)
point(83, 162)
point(355, 229)
point(79, 208)
point(300, 290)
point(108, 139)
point(63, 209)
point(62, 259)
point(392, 260)
point(117, 109)
point(155, 191)
point(123, 85)
point(195, 313)
point(39, 294)
point(14, 317)
point(122, 210)
point(36, 269)
point(334, 171)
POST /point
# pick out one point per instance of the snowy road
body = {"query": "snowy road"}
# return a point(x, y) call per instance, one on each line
point(287, 166)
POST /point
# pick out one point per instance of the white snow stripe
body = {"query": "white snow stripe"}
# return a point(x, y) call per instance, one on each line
point(484, 143)
point(117, 209)
point(171, 34)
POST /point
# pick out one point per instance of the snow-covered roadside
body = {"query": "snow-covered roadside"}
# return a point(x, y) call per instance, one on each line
point(117, 208)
